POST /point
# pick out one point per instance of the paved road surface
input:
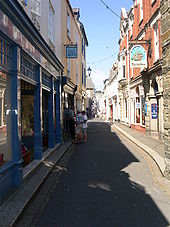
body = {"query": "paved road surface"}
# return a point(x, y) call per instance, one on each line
point(107, 183)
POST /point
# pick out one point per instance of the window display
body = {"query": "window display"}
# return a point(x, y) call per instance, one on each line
point(27, 121)
point(5, 119)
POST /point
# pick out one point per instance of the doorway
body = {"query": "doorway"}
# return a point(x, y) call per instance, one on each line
point(27, 121)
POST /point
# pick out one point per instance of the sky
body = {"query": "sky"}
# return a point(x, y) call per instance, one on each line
point(102, 30)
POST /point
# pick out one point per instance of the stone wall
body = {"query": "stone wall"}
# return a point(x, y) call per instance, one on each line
point(165, 39)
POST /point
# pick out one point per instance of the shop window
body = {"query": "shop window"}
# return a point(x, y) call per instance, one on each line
point(45, 118)
point(143, 110)
point(5, 119)
point(27, 122)
point(137, 109)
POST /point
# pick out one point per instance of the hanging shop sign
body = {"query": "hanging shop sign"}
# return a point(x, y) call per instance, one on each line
point(138, 57)
point(71, 51)
point(154, 110)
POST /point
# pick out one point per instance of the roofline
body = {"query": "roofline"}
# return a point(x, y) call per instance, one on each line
point(83, 32)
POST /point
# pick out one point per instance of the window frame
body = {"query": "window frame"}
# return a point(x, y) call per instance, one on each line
point(68, 25)
point(156, 41)
point(141, 11)
point(51, 15)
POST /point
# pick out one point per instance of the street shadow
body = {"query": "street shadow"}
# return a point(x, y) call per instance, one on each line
point(96, 191)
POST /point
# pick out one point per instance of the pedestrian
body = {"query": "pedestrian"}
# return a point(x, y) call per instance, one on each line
point(71, 122)
point(84, 126)
point(79, 121)
point(66, 121)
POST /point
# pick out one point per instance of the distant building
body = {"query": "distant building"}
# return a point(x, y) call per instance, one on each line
point(112, 107)
point(91, 99)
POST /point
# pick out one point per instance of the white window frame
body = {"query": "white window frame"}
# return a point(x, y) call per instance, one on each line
point(141, 10)
point(35, 7)
point(156, 41)
point(51, 15)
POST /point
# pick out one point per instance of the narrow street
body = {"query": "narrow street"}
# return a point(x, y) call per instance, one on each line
point(107, 181)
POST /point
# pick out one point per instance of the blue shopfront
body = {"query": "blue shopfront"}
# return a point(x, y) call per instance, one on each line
point(29, 96)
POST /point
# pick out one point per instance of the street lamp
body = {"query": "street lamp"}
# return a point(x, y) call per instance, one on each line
point(89, 70)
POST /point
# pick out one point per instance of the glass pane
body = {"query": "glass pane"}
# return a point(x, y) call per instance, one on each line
point(5, 119)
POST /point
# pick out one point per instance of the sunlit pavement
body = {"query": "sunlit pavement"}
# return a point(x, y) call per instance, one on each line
point(107, 182)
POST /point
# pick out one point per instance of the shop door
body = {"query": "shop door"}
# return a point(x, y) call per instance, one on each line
point(27, 121)
point(45, 117)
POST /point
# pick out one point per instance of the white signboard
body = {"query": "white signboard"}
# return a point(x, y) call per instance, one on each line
point(138, 57)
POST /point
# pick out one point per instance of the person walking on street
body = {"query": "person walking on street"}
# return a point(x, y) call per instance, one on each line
point(71, 122)
point(84, 126)
point(79, 121)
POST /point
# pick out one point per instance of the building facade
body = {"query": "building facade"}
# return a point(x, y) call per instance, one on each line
point(165, 38)
point(73, 33)
point(112, 107)
point(141, 88)
point(30, 78)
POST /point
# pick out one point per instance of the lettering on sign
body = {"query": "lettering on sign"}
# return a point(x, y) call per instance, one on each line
point(138, 57)
point(71, 51)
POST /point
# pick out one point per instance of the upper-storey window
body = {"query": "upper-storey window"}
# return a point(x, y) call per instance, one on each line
point(124, 66)
point(51, 14)
point(35, 7)
point(68, 24)
point(156, 41)
point(141, 10)
point(152, 2)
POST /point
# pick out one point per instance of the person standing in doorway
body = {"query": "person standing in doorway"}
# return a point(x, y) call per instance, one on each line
point(84, 126)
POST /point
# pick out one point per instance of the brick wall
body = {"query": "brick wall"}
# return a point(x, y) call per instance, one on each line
point(149, 11)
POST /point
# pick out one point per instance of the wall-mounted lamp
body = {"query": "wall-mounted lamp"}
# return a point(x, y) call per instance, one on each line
point(89, 70)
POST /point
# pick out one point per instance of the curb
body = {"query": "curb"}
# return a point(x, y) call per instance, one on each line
point(153, 154)
point(12, 209)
